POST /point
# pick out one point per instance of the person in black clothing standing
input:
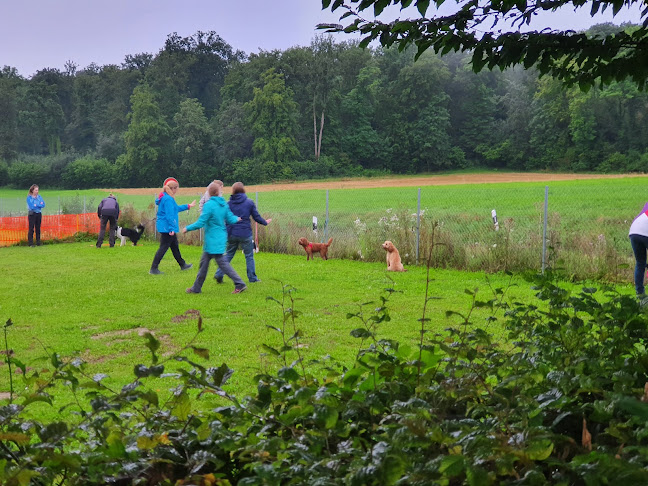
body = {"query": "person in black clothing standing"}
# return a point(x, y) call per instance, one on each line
point(108, 212)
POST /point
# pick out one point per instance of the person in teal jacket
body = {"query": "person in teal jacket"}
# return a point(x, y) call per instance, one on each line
point(167, 225)
point(35, 205)
point(216, 214)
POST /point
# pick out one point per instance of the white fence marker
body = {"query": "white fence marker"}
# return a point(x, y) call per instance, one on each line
point(494, 215)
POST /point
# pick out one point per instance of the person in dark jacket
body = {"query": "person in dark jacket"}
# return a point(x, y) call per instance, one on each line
point(107, 212)
point(240, 234)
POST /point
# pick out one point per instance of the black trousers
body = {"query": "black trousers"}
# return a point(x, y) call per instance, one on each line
point(168, 241)
point(34, 225)
point(111, 232)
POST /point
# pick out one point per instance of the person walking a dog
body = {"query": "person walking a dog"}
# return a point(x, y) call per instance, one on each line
point(107, 212)
point(167, 225)
point(35, 205)
point(240, 234)
point(215, 216)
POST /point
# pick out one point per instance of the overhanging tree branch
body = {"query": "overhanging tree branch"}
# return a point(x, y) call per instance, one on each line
point(573, 57)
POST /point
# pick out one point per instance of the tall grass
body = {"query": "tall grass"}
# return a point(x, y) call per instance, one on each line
point(587, 223)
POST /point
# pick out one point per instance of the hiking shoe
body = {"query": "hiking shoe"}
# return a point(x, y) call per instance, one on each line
point(255, 281)
point(155, 271)
point(191, 291)
point(186, 266)
point(643, 301)
point(238, 291)
point(218, 280)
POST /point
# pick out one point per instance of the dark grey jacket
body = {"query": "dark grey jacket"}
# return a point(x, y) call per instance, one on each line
point(108, 207)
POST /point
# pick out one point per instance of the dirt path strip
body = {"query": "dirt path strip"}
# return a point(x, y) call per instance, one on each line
point(440, 180)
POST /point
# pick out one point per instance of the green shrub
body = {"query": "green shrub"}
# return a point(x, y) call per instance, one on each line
point(89, 172)
point(23, 174)
point(561, 403)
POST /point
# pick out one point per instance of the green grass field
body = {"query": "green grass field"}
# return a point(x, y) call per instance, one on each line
point(74, 299)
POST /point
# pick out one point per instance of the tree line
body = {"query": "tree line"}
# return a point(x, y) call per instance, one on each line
point(200, 109)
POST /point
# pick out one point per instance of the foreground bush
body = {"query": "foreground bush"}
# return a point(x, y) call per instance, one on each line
point(560, 403)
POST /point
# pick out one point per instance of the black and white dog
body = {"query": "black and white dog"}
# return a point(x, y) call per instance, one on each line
point(132, 234)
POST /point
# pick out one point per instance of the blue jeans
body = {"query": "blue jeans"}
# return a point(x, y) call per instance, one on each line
point(223, 266)
point(247, 245)
point(639, 247)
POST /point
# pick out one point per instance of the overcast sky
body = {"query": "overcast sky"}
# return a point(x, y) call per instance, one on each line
point(37, 34)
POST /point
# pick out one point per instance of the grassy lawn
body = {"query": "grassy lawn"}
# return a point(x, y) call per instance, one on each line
point(74, 299)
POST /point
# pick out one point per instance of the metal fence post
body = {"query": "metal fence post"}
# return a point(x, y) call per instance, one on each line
point(544, 231)
point(84, 204)
point(418, 225)
point(326, 221)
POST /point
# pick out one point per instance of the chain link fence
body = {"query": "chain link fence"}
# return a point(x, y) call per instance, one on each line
point(488, 227)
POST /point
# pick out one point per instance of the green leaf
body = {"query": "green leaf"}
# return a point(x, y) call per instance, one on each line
point(116, 446)
point(146, 443)
point(151, 397)
point(153, 344)
point(361, 333)
point(204, 431)
point(181, 407)
point(38, 397)
point(422, 6)
point(326, 416)
point(288, 373)
point(452, 465)
point(540, 450)
point(220, 375)
point(271, 350)
point(202, 352)
point(141, 371)
point(156, 370)
point(351, 376)
point(477, 476)
point(25, 476)
point(379, 6)
point(392, 468)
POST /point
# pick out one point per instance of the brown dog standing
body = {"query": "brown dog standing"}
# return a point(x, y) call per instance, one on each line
point(311, 248)
point(393, 258)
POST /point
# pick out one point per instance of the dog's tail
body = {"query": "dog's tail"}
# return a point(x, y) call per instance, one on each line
point(329, 241)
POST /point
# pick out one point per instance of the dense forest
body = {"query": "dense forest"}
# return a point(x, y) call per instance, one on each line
point(200, 109)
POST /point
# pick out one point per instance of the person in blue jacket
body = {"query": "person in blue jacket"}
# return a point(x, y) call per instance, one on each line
point(240, 234)
point(35, 205)
point(215, 216)
point(167, 225)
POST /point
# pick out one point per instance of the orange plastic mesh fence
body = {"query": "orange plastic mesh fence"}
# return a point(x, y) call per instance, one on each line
point(14, 230)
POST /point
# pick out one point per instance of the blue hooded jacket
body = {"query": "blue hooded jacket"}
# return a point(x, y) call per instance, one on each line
point(167, 215)
point(243, 207)
point(214, 218)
